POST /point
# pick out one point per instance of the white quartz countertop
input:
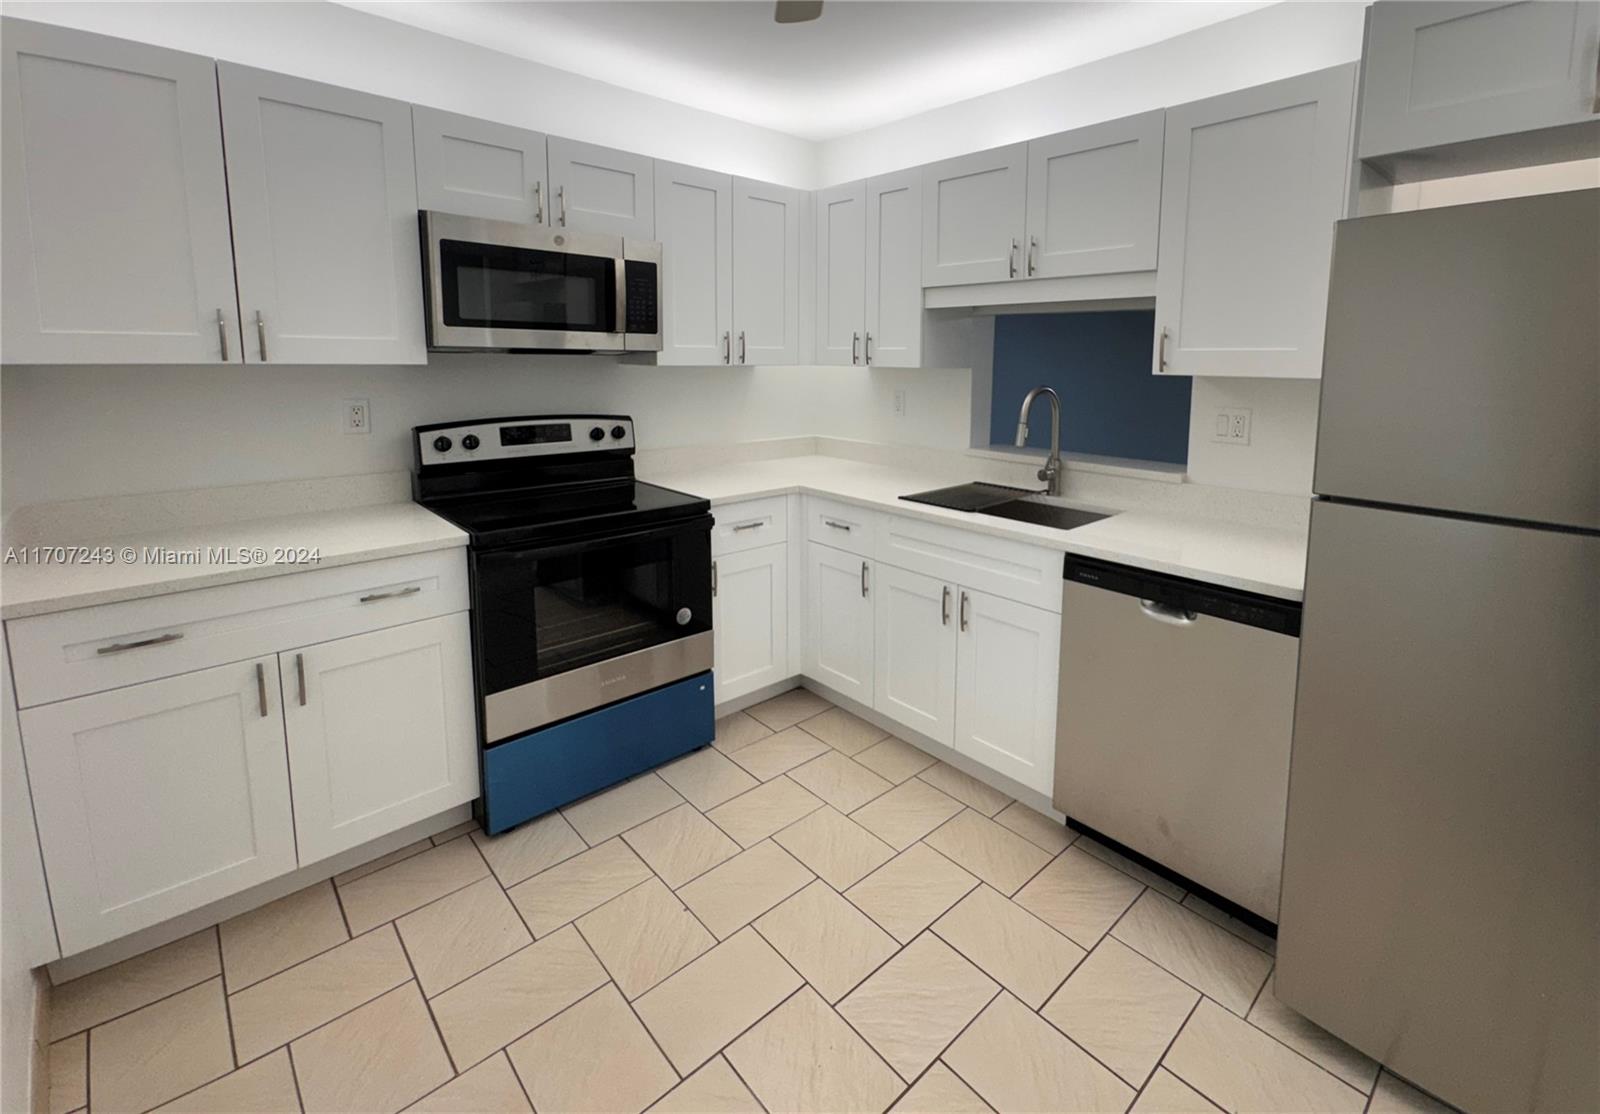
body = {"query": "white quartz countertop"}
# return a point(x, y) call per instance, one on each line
point(176, 559)
point(1255, 558)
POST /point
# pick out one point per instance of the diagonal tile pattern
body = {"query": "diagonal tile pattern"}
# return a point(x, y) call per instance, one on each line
point(867, 928)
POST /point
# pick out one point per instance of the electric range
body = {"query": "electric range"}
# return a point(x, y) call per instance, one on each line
point(591, 604)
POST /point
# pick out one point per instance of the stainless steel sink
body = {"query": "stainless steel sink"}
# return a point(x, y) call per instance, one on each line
point(1044, 514)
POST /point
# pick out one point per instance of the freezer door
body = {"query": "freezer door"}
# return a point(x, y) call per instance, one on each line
point(1462, 365)
point(1441, 884)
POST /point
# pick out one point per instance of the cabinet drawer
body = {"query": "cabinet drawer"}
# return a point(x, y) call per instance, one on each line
point(92, 649)
point(1013, 570)
point(840, 525)
point(748, 525)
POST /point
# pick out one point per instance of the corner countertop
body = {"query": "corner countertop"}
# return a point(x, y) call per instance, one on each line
point(337, 537)
point(1255, 558)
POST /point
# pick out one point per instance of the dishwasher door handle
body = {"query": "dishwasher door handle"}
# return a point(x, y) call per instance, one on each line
point(1165, 613)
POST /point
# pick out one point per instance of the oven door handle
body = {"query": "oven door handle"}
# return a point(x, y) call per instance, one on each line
point(588, 542)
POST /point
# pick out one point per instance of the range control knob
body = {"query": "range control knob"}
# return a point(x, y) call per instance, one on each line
point(442, 444)
point(618, 432)
point(597, 434)
point(470, 441)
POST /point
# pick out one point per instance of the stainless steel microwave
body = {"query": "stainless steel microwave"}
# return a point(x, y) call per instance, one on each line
point(499, 286)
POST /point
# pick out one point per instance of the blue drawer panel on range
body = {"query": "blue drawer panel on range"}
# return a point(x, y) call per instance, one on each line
point(544, 769)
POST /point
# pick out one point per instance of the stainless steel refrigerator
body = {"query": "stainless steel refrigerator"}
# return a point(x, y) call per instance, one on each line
point(1441, 881)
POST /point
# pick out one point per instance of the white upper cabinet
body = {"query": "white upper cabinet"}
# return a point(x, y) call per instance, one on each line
point(478, 168)
point(1438, 73)
point(1252, 185)
point(841, 265)
point(1094, 199)
point(915, 647)
point(973, 217)
point(694, 221)
point(323, 189)
point(766, 273)
point(115, 207)
point(1006, 678)
point(894, 324)
point(596, 189)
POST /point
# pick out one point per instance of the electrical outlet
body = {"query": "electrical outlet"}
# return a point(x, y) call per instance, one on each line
point(900, 402)
point(1232, 427)
point(355, 416)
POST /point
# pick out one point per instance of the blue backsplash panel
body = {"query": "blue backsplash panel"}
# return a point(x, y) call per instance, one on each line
point(1100, 365)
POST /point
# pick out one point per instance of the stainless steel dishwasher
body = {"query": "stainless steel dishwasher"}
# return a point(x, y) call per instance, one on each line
point(1174, 715)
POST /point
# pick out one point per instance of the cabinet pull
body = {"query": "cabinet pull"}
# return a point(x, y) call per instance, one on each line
point(944, 607)
point(538, 203)
point(755, 524)
point(411, 591)
point(1161, 352)
point(727, 347)
point(561, 197)
point(855, 348)
point(713, 580)
point(222, 334)
point(845, 526)
point(863, 580)
point(869, 348)
point(261, 335)
point(158, 640)
point(300, 674)
point(1033, 247)
point(742, 354)
point(261, 688)
point(963, 611)
point(1011, 259)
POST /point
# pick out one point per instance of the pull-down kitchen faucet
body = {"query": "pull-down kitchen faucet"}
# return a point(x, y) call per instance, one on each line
point(1051, 472)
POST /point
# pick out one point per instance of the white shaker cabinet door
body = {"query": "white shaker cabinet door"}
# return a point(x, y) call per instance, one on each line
point(694, 221)
point(1094, 198)
point(115, 205)
point(1006, 679)
point(915, 649)
point(973, 217)
point(841, 265)
point(159, 798)
point(1252, 184)
point(478, 168)
point(766, 273)
point(894, 270)
point(597, 189)
point(838, 643)
point(323, 188)
point(750, 619)
point(382, 731)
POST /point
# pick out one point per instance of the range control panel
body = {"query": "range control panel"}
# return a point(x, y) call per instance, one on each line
point(508, 438)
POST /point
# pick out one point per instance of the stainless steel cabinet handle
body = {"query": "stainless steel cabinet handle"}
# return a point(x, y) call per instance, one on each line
point(1165, 613)
point(538, 203)
point(561, 198)
point(411, 591)
point(222, 334)
point(863, 580)
point(1011, 259)
point(1161, 352)
point(743, 356)
point(869, 348)
point(756, 525)
point(1033, 247)
point(261, 335)
point(713, 579)
point(964, 601)
point(855, 348)
point(845, 526)
point(300, 675)
point(158, 640)
point(727, 348)
point(944, 606)
point(261, 688)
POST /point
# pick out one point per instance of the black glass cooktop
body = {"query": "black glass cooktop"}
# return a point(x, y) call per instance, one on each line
point(555, 513)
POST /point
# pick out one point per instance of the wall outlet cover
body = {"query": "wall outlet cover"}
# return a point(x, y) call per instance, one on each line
point(900, 401)
point(355, 416)
point(1232, 426)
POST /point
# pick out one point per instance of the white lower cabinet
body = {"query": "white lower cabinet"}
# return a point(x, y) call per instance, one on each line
point(750, 619)
point(1006, 674)
point(157, 798)
point(381, 732)
point(839, 621)
point(916, 652)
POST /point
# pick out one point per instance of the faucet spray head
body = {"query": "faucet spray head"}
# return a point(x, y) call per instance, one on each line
point(1022, 434)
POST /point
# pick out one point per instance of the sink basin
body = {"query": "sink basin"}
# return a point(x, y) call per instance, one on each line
point(1043, 514)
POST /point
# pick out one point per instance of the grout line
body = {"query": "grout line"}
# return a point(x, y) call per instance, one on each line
point(227, 1008)
point(135, 1009)
point(517, 1075)
point(673, 1068)
point(427, 1004)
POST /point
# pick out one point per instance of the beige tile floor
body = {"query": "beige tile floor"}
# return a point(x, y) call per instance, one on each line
point(811, 915)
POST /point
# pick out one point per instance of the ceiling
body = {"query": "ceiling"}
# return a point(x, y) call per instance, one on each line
point(863, 63)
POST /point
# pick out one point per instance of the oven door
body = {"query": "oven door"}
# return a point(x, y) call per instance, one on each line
point(499, 285)
point(568, 628)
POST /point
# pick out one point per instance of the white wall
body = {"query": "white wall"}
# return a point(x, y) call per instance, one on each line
point(1283, 434)
point(79, 432)
point(327, 42)
point(1266, 45)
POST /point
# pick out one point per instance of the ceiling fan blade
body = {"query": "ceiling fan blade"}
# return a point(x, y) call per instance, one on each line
point(797, 11)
